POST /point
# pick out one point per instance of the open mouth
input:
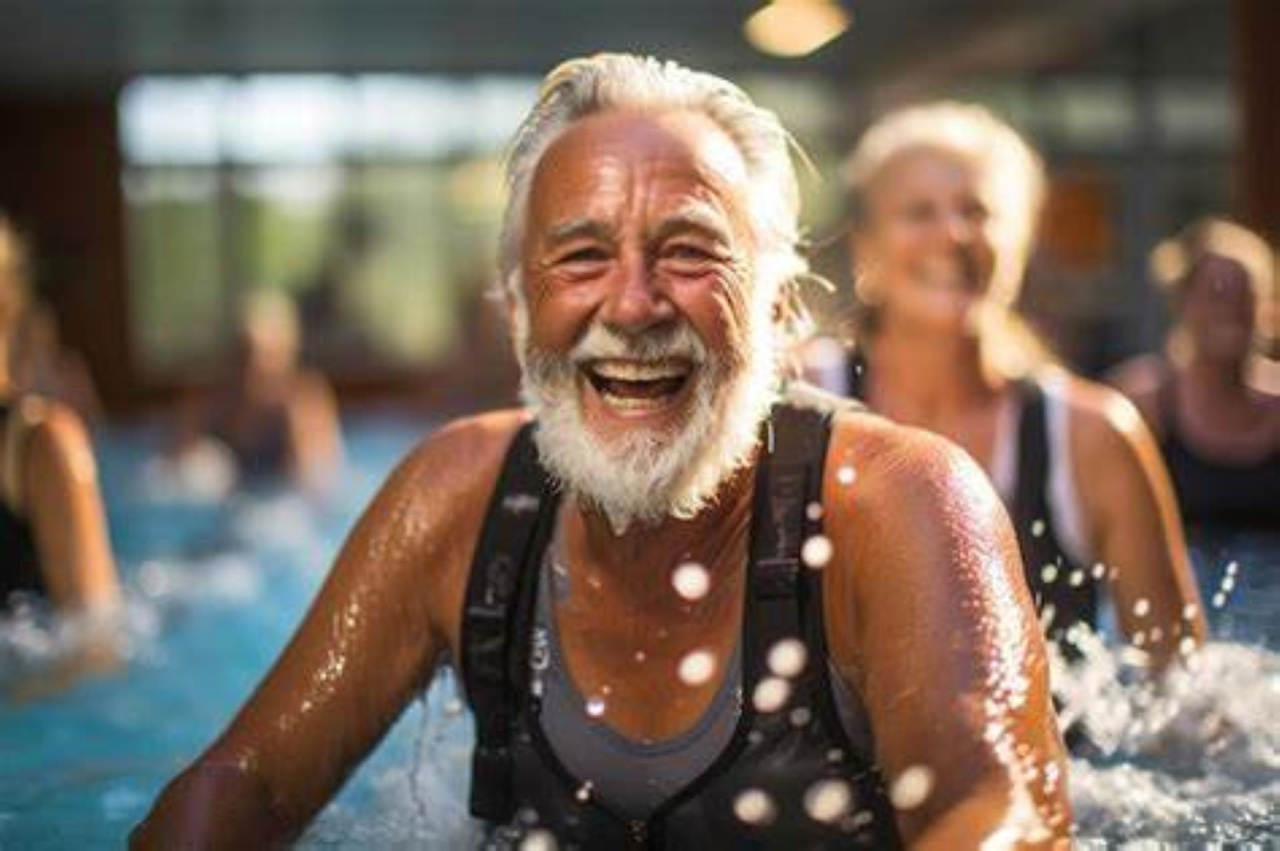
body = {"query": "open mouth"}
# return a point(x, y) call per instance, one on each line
point(631, 385)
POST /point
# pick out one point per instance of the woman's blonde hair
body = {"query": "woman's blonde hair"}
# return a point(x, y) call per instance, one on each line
point(1011, 181)
point(1174, 261)
point(14, 272)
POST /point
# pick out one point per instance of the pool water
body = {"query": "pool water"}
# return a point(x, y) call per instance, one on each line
point(215, 589)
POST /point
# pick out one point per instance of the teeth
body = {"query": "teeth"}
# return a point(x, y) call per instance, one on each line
point(627, 403)
point(625, 370)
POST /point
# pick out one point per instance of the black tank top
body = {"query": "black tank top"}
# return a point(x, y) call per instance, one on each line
point(19, 564)
point(1065, 592)
point(773, 760)
point(1216, 494)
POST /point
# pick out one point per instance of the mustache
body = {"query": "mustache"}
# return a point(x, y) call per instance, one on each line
point(666, 342)
point(676, 341)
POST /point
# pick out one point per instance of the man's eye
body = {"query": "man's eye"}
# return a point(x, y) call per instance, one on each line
point(584, 255)
point(689, 252)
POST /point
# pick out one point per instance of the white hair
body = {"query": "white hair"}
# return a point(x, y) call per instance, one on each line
point(607, 82)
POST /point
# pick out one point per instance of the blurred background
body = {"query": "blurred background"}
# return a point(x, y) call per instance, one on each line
point(170, 157)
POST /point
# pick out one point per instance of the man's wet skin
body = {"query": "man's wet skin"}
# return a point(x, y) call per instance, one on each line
point(639, 222)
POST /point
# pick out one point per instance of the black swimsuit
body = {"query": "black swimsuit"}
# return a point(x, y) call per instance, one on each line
point(773, 758)
point(19, 563)
point(1217, 494)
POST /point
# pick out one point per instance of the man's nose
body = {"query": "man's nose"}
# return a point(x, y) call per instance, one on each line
point(636, 300)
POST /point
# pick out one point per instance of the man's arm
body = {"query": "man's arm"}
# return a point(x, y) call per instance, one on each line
point(372, 638)
point(933, 624)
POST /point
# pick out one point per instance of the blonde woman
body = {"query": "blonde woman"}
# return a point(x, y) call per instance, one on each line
point(1207, 398)
point(943, 199)
point(53, 533)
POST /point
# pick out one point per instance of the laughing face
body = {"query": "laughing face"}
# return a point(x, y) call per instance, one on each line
point(648, 358)
point(929, 247)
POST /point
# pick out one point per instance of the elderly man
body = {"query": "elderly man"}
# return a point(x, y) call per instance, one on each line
point(689, 609)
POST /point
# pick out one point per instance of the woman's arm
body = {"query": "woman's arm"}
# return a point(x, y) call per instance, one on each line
point(64, 505)
point(1133, 523)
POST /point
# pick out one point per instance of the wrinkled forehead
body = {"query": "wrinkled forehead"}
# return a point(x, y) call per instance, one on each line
point(686, 151)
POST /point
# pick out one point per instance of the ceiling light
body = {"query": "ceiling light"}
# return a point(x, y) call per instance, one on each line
point(795, 28)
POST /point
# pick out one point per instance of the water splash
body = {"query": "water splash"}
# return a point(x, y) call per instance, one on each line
point(1194, 757)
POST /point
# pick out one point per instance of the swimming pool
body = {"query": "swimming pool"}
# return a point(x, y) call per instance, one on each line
point(216, 588)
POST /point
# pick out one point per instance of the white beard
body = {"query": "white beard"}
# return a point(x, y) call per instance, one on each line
point(647, 474)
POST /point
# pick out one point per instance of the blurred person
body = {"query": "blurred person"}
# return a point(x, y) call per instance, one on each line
point(274, 419)
point(1218, 426)
point(613, 566)
point(43, 365)
point(53, 532)
point(944, 199)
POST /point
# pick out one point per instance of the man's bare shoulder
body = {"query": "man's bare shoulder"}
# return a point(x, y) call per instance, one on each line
point(875, 464)
point(901, 500)
point(466, 454)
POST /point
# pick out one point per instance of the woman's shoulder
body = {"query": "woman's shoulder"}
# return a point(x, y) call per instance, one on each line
point(1102, 422)
point(1143, 380)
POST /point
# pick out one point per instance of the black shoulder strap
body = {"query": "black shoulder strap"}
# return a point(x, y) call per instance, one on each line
point(520, 517)
point(857, 375)
point(1030, 503)
point(789, 480)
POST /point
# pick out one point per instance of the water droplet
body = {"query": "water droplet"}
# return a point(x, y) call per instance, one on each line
point(1142, 607)
point(1189, 611)
point(857, 820)
point(538, 840)
point(1037, 528)
point(1139, 638)
point(828, 801)
point(813, 511)
point(817, 551)
point(1099, 570)
point(835, 755)
point(1049, 574)
point(1157, 635)
point(1076, 579)
point(691, 581)
point(1229, 584)
point(1233, 567)
point(1219, 600)
point(697, 667)
point(754, 806)
point(1187, 645)
point(595, 706)
point(584, 791)
point(846, 475)
point(770, 694)
point(454, 706)
point(640, 656)
point(1047, 614)
point(800, 716)
point(912, 787)
point(787, 657)
point(527, 816)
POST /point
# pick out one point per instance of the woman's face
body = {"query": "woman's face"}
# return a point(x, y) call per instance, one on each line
point(926, 251)
point(1219, 309)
